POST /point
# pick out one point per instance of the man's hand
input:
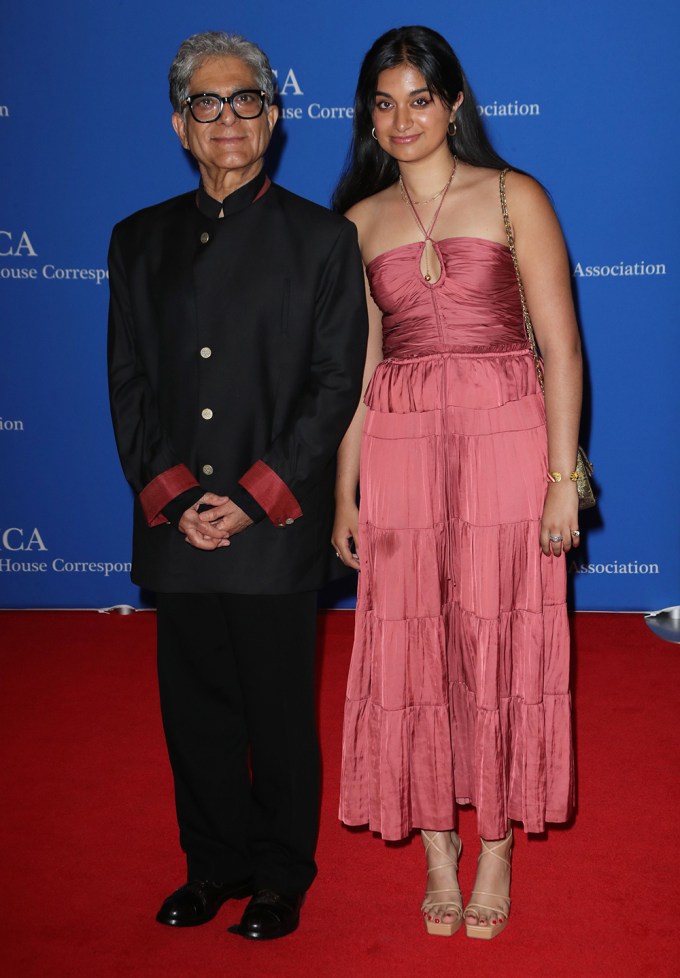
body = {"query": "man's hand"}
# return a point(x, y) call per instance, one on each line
point(224, 516)
point(202, 533)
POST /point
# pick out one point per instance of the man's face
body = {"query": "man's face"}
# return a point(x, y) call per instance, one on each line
point(228, 143)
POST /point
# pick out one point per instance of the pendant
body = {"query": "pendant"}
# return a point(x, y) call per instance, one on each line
point(428, 277)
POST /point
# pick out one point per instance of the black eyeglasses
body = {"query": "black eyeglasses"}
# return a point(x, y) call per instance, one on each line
point(247, 103)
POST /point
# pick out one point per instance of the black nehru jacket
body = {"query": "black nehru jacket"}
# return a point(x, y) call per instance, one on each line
point(236, 351)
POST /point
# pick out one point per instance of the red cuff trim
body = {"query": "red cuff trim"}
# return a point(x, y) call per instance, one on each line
point(162, 490)
point(271, 492)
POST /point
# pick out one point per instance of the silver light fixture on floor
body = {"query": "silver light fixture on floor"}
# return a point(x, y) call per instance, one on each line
point(118, 609)
point(665, 623)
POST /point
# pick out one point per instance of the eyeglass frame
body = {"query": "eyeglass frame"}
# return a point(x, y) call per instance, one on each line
point(226, 100)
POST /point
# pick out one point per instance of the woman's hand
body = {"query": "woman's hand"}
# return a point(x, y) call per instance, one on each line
point(560, 519)
point(346, 534)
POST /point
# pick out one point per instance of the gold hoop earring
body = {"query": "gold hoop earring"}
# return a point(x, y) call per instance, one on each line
point(455, 128)
point(373, 133)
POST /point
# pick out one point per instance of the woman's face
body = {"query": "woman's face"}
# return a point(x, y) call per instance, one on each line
point(410, 122)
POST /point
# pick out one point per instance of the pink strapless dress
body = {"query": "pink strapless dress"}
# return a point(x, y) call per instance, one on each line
point(458, 690)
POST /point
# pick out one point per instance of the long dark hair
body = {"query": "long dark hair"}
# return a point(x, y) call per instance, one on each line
point(369, 168)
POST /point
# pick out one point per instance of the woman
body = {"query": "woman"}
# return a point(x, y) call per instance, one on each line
point(458, 688)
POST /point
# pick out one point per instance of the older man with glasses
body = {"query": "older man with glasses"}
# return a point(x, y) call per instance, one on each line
point(237, 334)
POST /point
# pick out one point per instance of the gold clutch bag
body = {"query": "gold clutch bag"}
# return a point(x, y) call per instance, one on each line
point(584, 487)
point(584, 467)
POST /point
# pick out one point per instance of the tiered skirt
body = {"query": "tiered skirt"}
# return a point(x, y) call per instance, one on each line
point(458, 691)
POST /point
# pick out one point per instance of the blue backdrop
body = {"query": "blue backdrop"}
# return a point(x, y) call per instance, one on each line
point(583, 96)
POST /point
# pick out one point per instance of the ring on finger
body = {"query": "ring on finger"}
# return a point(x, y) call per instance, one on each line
point(555, 538)
point(576, 533)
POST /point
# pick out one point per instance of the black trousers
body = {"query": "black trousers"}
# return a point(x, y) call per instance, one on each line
point(236, 676)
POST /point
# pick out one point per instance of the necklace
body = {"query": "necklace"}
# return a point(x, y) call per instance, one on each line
point(428, 200)
point(406, 197)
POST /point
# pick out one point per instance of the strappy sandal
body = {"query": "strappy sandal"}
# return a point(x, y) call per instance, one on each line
point(433, 911)
point(500, 915)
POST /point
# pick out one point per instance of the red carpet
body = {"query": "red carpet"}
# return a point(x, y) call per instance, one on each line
point(89, 840)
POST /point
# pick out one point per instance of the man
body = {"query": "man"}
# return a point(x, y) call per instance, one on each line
point(237, 335)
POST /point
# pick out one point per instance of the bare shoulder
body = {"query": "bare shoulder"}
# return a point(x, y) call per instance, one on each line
point(368, 214)
point(474, 204)
point(369, 208)
point(360, 213)
point(476, 177)
point(527, 200)
point(537, 231)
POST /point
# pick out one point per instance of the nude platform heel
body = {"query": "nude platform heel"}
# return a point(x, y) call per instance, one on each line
point(489, 930)
point(435, 909)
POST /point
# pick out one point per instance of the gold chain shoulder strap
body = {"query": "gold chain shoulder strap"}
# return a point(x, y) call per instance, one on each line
point(584, 467)
point(525, 311)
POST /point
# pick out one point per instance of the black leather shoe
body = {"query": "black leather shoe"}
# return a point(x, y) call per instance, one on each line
point(197, 902)
point(270, 915)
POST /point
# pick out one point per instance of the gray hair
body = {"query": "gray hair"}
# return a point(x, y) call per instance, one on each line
point(216, 44)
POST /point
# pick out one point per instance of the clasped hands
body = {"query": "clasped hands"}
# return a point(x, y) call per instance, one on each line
point(213, 527)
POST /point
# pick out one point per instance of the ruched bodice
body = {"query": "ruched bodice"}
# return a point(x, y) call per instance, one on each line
point(473, 305)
